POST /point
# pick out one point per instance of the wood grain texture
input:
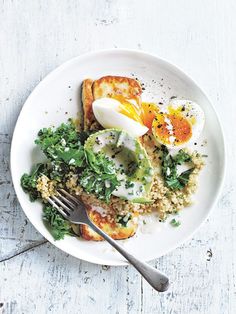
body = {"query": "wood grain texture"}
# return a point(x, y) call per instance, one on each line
point(36, 37)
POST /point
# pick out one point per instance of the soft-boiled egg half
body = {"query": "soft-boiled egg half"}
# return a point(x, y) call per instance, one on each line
point(176, 125)
point(120, 113)
point(179, 124)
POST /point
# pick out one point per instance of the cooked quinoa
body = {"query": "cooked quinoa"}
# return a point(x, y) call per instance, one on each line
point(164, 200)
point(115, 206)
point(45, 186)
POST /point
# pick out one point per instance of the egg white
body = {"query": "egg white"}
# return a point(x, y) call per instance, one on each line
point(106, 113)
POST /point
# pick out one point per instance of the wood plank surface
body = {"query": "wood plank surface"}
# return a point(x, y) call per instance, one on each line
point(36, 37)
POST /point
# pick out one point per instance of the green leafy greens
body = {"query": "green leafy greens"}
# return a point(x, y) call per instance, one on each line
point(62, 145)
point(100, 178)
point(29, 181)
point(65, 152)
point(172, 179)
point(59, 226)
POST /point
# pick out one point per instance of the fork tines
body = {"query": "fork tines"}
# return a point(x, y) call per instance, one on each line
point(64, 204)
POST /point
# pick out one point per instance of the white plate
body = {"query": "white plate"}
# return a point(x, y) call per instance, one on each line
point(59, 93)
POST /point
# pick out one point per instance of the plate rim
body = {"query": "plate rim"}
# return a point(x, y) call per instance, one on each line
point(144, 54)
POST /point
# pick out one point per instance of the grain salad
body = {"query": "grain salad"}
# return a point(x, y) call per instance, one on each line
point(129, 159)
point(165, 201)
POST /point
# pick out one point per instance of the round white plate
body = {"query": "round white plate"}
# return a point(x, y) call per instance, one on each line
point(57, 98)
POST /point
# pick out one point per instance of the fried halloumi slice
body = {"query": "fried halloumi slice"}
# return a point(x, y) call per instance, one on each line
point(110, 86)
point(87, 100)
point(107, 86)
point(114, 229)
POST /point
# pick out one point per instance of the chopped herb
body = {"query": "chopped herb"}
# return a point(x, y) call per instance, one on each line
point(129, 184)
point(123, 220)
point(182, 157)
point(175, 223)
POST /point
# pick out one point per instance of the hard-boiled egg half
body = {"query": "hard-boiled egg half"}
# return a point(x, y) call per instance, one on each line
point(119, 113)
point(179, 124)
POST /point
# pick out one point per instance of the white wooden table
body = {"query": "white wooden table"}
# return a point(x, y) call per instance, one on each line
point(37, 36)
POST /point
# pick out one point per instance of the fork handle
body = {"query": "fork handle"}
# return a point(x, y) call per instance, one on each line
point(154, 277)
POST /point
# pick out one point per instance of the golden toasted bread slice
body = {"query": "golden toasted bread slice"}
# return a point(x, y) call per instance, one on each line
point(107, 86)
point(114, 229)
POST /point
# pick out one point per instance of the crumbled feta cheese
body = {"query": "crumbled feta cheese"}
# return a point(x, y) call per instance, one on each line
point(168, 171)
point(63, 142)
point(107, 184)
point(72, 161)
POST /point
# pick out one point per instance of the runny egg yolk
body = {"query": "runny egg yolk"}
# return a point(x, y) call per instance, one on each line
point(148, 113)
point(172, 128)
point(129, 109)
point(143, 113)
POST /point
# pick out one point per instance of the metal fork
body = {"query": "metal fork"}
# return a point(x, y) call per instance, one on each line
point(74, 210)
